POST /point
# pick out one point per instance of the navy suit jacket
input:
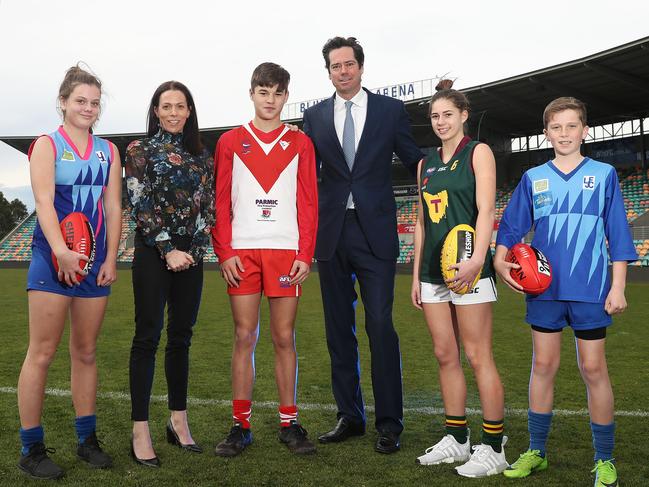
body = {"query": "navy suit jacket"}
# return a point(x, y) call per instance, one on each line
point(386, 131)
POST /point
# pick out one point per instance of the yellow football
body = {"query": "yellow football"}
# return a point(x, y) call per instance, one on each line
point(458, 246)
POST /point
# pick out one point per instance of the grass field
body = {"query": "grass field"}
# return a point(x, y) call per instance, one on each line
point(353, 463)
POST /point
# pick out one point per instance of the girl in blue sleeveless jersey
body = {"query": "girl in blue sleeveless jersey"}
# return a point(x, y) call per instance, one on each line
point(71, 171)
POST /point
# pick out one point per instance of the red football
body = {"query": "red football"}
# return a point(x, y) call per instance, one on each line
point(535, 273)
point(78, 236)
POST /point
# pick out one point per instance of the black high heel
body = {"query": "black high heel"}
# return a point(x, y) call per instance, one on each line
point(172, 439)
point(150, 462)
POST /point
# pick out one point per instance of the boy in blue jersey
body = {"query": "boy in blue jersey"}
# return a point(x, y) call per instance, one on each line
point(574, 205)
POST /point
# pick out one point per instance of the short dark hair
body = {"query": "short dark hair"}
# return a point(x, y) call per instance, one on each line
point(337, 43)
point(564, 103)
point(269, 75)
point(191, 136)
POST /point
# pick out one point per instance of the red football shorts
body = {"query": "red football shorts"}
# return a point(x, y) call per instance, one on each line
point(267, 271)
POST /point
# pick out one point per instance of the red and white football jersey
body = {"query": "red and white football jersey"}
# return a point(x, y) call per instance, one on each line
point(266, 192)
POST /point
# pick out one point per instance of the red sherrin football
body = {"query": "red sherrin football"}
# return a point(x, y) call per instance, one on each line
point(78, 236)
point(535, 273)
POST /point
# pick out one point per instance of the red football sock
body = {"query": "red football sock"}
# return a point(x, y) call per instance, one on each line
point(241, 411)
point(287, 414)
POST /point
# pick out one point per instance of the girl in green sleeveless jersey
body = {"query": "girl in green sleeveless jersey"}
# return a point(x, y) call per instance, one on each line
point(457, 184)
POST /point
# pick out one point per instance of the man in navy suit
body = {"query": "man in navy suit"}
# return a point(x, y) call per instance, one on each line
point(355, 133)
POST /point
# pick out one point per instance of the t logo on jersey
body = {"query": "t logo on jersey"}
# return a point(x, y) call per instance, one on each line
point(589, 182)
point(284, 144)
point(101, 156)
point(437, 204)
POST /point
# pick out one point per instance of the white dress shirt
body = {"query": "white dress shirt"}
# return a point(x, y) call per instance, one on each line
point(359, 113)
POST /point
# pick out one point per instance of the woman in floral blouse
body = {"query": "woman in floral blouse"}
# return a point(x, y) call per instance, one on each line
point(169, 177)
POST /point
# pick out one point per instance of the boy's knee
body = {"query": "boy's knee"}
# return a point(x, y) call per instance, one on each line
point(245, 339)
point(546, 366)
point(592, 370)
point(284, 340)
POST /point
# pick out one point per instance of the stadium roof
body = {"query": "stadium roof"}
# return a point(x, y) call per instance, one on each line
point(614, 84)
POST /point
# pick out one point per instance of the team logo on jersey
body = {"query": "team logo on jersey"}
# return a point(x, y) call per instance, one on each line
point(266, 206)
point(437, 204)
point(246, 147)
point(284, 281)
point(542, 199)
point(284, 144)
point(454, 165)
point(67, 155)
point(430, 170)
point(589, 183)
point(540, 185)
point(100, 155)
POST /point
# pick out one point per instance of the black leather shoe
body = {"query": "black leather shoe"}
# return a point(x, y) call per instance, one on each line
point(173, 439)
point(149, 462)
point(387, 443)
point(343, 430)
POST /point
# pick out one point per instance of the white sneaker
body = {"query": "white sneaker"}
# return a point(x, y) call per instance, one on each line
point(448, 450)
point(484, 461)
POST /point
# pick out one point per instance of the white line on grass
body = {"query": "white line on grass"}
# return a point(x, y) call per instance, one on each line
point(122, 397)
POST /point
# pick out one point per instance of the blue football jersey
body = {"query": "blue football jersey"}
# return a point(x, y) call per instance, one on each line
point(573, 216)
point(80, 182)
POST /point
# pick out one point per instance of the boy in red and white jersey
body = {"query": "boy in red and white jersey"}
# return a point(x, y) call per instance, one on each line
point(264, 237)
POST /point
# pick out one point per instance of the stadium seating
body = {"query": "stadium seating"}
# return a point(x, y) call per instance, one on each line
point(634, 184)
point(17, 247)
point(503, 195)
point(407, 210)
point(642, 247)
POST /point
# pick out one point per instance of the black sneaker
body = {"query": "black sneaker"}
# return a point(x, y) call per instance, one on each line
point(295, 438)
point(237, 440)
point(90, 452)
point(38, 465)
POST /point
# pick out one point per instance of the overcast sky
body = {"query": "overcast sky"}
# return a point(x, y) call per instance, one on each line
point(213, 47)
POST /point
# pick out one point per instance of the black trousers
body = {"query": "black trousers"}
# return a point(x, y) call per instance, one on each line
point(352, 260)
point(154, 287)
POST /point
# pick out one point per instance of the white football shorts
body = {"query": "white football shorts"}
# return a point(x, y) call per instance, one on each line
point(483, 292)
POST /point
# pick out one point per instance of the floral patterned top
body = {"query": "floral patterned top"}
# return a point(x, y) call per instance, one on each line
point(171, 192)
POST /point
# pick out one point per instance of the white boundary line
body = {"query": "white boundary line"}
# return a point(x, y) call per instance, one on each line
point(122, 397)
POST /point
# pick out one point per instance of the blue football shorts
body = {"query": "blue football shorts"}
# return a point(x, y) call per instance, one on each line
point(42, 277)
point(555, 315)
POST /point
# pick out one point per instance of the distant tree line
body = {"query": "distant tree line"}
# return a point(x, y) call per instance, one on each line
point(11, 212)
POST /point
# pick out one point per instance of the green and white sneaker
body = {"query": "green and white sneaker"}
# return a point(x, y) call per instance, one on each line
point(605, 474)
point(528, 462)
